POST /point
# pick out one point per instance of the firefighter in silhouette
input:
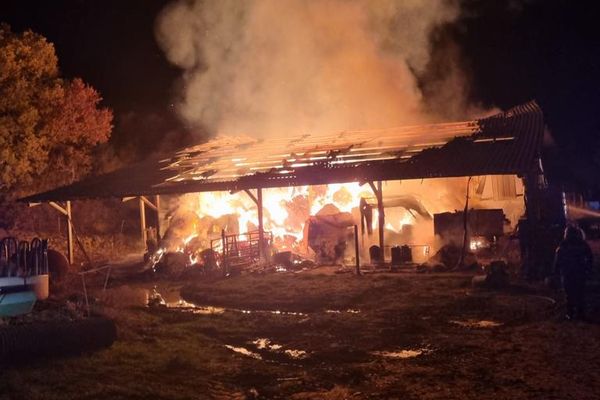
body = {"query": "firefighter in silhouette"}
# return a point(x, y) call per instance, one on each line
point(573, 262)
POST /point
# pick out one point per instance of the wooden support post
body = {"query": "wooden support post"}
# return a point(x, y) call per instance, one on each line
point(261, 230)
point(463, 251)
point(143, 202)
point(66, 211)
point(158, 216)
point(381, 222)
point(356, 250)
point(261, 233)
point(143, 220)
point(378, 190)
point(70, 249)
point(224, 253)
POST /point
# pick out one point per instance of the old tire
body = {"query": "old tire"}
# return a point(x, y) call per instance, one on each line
point(24, 342)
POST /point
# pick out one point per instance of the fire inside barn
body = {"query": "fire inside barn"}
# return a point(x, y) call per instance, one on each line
point(356, 196)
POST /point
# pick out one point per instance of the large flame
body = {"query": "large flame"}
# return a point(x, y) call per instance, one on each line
point(285, 210)
point(199, 219)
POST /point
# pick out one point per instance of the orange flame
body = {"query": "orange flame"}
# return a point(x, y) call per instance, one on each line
point(285, 210)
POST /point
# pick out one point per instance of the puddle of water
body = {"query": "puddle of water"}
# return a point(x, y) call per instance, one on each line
point(220, 310)
point(296, 354)
point(274, 312)
point(471, 323)
point(291, 378)
point(194, 309)
point(168, 296)
point(244, 351)
point(266, 344)
point(349, 311)
point(171, 299)
point(410, 353)
point(154, 297)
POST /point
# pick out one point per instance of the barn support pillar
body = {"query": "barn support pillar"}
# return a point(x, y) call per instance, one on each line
point(66, 211)
point(144, 234)
point(377, 188)
point(158, 216)
point(258, 200)
point(143, 202)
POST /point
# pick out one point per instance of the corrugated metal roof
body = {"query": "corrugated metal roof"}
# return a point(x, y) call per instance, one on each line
point(506, 143)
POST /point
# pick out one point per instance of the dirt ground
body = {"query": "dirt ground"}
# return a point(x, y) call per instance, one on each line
point(319, 335)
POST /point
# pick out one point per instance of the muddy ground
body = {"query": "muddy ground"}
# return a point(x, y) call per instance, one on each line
point(319, 335)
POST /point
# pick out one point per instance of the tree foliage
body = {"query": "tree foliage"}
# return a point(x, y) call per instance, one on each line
point(49, 126)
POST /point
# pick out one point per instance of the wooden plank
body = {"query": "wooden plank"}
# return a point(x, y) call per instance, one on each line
point(142, 221)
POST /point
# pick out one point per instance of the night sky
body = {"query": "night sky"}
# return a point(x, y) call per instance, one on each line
point(512, 51)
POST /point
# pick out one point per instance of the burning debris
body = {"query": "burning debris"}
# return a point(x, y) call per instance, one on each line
point(328, 234)
point(301, 224)
point(306, 226)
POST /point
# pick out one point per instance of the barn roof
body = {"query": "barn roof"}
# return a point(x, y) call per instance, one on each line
point(505, 143)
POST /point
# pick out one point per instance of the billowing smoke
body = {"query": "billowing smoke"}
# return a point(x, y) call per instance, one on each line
point(275, 67)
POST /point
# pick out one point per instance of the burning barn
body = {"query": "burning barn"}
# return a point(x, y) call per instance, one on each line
point(332, 197)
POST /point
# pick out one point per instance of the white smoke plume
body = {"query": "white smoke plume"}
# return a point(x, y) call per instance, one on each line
point(278, 67)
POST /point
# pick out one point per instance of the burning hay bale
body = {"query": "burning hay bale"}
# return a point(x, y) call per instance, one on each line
point(183, 224)
point(187, 243)
point(173, 264)
point(327, 233)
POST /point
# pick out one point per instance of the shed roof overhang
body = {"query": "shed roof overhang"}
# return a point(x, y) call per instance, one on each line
point(505, 143)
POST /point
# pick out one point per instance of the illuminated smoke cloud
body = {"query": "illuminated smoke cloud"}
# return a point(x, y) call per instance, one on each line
point(272, 67)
